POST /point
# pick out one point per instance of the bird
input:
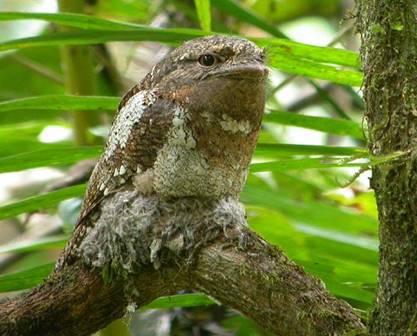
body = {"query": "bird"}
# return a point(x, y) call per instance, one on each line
point(187, 130)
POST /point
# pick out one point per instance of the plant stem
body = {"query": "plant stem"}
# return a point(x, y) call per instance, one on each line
point(79, 74)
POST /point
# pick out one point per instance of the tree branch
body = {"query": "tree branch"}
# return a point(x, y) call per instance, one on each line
point(76, 301)
point(256, 279)
point(263, 284)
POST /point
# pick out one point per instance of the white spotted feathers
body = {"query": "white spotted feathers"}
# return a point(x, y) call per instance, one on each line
point(127, 117)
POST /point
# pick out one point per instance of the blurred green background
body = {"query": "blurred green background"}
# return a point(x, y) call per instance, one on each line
point(60, 81)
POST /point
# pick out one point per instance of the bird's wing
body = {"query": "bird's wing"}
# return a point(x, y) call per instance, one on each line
point(139, 130)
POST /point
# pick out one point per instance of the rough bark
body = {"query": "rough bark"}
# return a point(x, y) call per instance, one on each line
point(389, 52)
point(77, 302)
point(257, 280)
point(262, 283)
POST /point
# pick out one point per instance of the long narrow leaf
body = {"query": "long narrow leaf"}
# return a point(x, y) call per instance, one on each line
point(235, 9)
point(61, 102)
point(300, 164)
point(277, 150)
point(279, 57)
point(338, 288)
point(328, 125)
point(315, 213)
point(24, 279)
point(173, 36)
point(35, 245)
point(314, 53)
point(44, 201)
point(182, 300)
point(305, 67)
point(47, 156)
point(71, 19)
point(92, 24)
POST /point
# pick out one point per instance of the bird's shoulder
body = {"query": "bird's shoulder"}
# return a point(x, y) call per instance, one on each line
point(138, 132)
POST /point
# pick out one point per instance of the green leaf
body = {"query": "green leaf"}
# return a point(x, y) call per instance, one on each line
point(139, 11)
point(173, 36)
point(20, 137)
point(25, 279)
point(183, 300)
point(283, 230)
point(305, 67)
point(70, 19)
point(244, 14)
point(55, 242)
point(314, 53)
point(328, 125)
point(204, 14)
point(239, 325)
point(61, 102)
point(336, 286)
point(277, 150)
point(300, 164)
point(337, 236)
point(101, 30)
point(48, 155)
point(19, 133)
point(316, 213)
point(44, 201)
point(287, 56)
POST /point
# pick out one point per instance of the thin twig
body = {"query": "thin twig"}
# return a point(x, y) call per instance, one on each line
point(38, 68)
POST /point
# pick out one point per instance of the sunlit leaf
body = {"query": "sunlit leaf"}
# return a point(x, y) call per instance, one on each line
point(182, 300)
point(24, 279)
point(320, 214)
point(44, 201)
point(71, 19)
point(47, 155)
point(305, 67)
point(328, 125)
point(313, 53)
point(291, 57)
point(61, 102)
point(244, 14)
point(171, 35)
point(204, 14)
point(277, 150)
point(300, 164)
point(35, 245)
point(338, 288)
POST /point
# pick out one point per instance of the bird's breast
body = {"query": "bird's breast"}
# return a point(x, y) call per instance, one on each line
point(182, 167)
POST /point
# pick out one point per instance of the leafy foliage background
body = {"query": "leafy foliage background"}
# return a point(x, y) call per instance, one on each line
point(295, 197)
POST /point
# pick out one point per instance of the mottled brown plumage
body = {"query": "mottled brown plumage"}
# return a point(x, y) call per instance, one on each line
point(187, 130)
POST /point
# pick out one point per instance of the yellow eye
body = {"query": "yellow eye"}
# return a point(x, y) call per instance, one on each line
point(207, 60)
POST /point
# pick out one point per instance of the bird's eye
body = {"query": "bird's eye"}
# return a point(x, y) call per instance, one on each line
point(207, 60)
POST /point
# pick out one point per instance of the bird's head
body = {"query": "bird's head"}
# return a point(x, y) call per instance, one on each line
point(207, 58)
